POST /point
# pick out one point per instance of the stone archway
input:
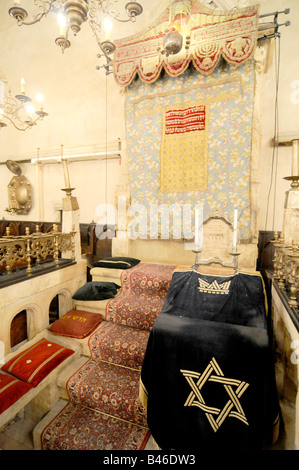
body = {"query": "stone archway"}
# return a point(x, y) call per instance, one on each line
point(28, 326)
point(64, 301)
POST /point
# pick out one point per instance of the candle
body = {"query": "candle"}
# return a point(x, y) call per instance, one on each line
point(40, 99)
point(295, 158)
point(196, 228)
point(62, 24)
point(235, 235)
point(22, 85)
point(66, 174)
point(107, 27)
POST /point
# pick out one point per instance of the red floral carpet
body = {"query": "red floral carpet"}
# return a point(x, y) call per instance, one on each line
point(108, 388)
point(104, 411)
point(142, 295)
point(79, 428)
point(118, 344)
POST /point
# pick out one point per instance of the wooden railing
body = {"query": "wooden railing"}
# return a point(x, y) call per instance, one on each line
point(32, 249)
point(286, 269)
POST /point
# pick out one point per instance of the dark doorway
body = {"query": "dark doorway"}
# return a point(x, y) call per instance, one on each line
point(18, 329)
point(54, 310)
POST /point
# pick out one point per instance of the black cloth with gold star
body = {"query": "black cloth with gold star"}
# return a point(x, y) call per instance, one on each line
point(207, 378)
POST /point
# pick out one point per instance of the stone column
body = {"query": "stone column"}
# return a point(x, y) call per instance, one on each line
point(121, 242)
point(71, 222)
point(260, 58)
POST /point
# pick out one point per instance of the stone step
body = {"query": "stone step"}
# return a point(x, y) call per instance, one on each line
point(79, 428)
point(119, 344)
point(134, 311)
point(111, 389)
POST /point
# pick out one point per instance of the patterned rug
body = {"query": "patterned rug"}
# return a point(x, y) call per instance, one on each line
point(104, 411)
point(143, 292)
point(79, 428)
point(114, 390)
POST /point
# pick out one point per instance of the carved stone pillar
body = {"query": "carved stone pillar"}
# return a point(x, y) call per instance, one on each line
point(120, 244)
point(260, 60)
point(71, 222)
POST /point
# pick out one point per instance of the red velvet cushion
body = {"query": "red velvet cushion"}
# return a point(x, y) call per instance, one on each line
point(76, 324)
point(11, 389)
point(34, 363)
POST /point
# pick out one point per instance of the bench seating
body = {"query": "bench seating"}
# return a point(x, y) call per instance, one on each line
point(49, 382)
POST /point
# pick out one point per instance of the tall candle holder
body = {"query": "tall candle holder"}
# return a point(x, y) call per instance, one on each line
point(235, 255)
point(68, 190)
point(295, 165)
point(294, 179)
point(197, 252)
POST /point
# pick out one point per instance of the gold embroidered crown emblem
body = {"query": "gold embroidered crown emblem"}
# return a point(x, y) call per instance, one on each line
point(214, 287)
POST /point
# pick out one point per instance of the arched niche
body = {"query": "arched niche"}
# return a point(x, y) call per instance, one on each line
point(24, 325)
point(60, 304)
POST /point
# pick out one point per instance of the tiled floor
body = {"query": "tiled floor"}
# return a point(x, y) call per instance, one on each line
point(18, 435)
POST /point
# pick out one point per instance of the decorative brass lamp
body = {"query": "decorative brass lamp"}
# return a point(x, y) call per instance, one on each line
point(75, 12)
point(19, 191)
point(173, 40)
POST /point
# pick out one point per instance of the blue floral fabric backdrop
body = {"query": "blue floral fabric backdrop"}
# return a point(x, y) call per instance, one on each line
point(228, 96)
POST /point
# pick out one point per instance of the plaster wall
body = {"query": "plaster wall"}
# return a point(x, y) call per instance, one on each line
point(35, 295)
point(288, 115)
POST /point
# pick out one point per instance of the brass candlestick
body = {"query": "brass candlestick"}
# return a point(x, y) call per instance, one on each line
point(294, 179)
point(197, 252)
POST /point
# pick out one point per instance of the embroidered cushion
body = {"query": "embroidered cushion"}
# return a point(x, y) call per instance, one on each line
point(119, 262)
point(34, 363)
point(11, 389)
point(76, 324)
point(96, 290)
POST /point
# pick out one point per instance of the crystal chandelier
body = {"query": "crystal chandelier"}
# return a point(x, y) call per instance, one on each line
point(18, 110)
point(73, 13)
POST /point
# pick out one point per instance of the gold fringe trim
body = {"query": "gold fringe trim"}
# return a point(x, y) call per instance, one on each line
point(112, 416)
point(276, 427)
point(143, 395)
point(117, 365)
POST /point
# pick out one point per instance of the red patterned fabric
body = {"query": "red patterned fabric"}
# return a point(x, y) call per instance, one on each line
point(119, 344)
point(34, 363)
point(143, 292)
point(180, 121)
point(11, 389)
point(77, 428)
point(108, 388)
point(76, 324)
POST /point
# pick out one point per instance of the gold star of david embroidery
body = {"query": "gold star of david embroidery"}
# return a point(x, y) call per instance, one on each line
point(232, 408)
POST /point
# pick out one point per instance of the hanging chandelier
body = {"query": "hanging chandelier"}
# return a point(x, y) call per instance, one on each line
point(18, 110)
point(73, 13)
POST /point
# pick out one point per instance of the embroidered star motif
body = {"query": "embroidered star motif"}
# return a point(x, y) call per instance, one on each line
point(232, 408)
